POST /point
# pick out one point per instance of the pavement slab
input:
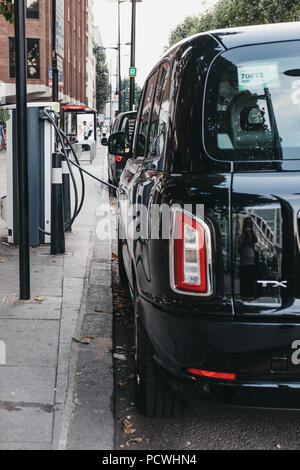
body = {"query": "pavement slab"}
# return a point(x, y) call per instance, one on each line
point(40, 388)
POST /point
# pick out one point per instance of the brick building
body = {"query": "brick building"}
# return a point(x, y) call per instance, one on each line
point(77, 44)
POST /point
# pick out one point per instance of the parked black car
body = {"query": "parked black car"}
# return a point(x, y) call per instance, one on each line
point(216, 293)
point(124, 122)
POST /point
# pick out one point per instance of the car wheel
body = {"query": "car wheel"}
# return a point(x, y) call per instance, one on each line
point(122, 271)
point(153, 396)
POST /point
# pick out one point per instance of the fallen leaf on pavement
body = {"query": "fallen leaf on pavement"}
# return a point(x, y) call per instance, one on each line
point(137, 440)
point(83, 340)
point(39, 299)
point(127, 427)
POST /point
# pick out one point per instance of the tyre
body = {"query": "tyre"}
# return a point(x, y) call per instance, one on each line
point(108, 178)
point(122, 271)
point(153, 396)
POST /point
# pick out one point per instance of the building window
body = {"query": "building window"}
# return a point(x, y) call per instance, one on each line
point(33, 9)
point(33, 58)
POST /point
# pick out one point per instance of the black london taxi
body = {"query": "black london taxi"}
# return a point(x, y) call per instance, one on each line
point(209, 226)
point(124, 122)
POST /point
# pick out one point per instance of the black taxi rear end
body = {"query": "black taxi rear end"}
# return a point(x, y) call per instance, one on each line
point(216, 290)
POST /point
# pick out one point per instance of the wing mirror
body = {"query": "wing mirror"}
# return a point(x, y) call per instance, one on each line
point(116, 144)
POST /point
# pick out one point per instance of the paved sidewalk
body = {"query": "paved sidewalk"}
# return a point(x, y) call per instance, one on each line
point(3, 190)
point(38, 383)
point(2, 173)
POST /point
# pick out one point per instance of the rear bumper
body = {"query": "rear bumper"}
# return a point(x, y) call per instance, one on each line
point(247, 396)
point(259, 353)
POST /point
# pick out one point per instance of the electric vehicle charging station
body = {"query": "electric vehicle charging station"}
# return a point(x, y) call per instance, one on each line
point(41, 145)
point(44, 177)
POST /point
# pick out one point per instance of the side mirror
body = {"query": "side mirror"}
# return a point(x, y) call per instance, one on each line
point(104, 142)
point(116, 143)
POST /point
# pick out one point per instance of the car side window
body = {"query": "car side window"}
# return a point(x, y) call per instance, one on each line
point(145, 117)
point(116, 125)
point(159, 118)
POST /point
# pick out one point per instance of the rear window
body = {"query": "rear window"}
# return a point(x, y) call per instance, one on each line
point(128, 128)
point(252, 106)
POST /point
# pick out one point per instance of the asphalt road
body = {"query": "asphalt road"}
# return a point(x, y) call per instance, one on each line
point(196, 429)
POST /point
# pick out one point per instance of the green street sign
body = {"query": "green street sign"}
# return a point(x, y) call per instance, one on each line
point(132, 72)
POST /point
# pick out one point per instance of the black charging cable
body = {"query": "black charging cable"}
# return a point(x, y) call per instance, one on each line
point(45, 114)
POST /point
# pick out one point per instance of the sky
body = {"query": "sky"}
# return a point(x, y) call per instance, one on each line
point(155, 21)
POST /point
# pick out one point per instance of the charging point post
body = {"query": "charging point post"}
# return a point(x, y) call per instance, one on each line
point(57, 207)
point(66, 191)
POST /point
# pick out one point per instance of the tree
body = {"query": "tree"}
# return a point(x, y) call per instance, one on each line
point(4, 114)
point(183, 30)
point(7, 10)
point(231, 13)
point(102, 80)
point(126, 94)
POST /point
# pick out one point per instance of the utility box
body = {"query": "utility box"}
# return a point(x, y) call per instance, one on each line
point(41, 145)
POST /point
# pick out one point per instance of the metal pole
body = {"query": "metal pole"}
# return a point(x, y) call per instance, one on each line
point(66, 191)
point(54, 55)
point(119, 53)
point(57, 207)
point(132, 60)
point(111, 85)
point(23, 193)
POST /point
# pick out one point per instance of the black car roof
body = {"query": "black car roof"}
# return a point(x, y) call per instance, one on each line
point(126, 114)
point(265, 33)
point(244, 36)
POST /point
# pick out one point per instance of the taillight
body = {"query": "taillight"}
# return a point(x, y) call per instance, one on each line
point(191, 254)
point(212, 375)
point(119, 158)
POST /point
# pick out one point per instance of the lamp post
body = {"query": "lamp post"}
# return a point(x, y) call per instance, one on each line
point(132, 60)
point(119, 80)
point(54, 55)
point(133, 38)
point(23, 187)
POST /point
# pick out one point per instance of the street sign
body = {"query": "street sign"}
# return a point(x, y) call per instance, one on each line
point(132, 72)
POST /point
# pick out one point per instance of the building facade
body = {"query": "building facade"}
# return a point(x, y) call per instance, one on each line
point(90, 57)
point(76, 53)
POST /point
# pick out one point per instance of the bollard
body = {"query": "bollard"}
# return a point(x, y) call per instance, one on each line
point(57, 207)
point(66, 192)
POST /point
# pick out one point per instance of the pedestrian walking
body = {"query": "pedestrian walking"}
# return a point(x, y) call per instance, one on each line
point(86, 131)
